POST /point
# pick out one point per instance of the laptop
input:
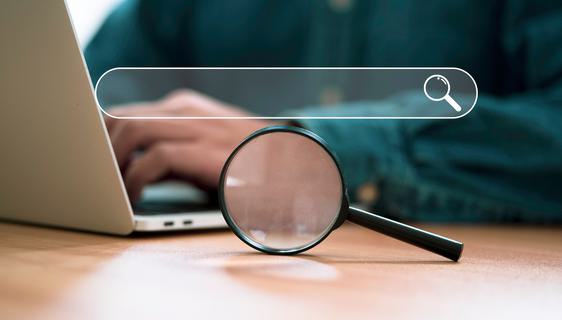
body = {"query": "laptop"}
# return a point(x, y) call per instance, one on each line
point(57, 165)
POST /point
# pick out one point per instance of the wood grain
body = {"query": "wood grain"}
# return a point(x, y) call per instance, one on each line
point(505, 272)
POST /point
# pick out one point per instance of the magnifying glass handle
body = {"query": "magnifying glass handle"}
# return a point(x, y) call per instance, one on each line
point(445, 247)
point(453, 103)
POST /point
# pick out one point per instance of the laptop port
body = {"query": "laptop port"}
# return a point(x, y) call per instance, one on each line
point(168, 223)
point(187, 222)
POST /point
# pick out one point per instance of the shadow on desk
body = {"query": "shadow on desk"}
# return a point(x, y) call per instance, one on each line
point(310, 273)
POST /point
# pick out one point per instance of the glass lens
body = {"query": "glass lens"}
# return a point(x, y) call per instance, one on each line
point(437, 87)
point(283, 191)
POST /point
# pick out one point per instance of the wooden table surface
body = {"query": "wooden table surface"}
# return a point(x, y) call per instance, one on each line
point(505, 272)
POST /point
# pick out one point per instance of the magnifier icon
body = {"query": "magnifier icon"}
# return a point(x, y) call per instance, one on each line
point(437, 88)
point(282, 192)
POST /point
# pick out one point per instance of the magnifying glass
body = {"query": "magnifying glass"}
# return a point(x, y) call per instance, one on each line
point(437, 88)
point(281, 191)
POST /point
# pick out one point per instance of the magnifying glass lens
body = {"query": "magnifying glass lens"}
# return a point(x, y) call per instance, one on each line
point(282, 192)
point(437, 87)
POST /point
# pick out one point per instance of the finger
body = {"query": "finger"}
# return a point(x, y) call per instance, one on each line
point(112, 115)
point(198, 103)
point(137, 109)
point(184, 160)
point(115, 115)
point(148, 168)
point(182, 103)
point(128, 136)
point(176, 104)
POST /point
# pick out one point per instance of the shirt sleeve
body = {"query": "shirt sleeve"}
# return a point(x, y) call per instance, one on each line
point(499, 163)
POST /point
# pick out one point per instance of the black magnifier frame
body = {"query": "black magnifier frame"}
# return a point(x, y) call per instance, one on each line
point(445, 247)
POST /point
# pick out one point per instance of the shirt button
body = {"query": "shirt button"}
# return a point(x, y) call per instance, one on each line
point(340, 6)
point(368, 194)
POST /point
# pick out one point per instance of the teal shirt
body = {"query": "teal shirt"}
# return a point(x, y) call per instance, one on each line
point(500, 163)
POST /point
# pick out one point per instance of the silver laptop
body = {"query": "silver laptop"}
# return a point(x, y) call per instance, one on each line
point(56, 162)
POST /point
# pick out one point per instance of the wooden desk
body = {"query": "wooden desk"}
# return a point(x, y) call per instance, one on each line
point(505, 272)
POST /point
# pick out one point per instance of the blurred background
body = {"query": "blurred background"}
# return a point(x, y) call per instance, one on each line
point(500, 164)
point(123, 87)
point(87, 16)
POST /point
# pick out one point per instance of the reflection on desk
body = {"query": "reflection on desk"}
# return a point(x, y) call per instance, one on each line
point(507, 272)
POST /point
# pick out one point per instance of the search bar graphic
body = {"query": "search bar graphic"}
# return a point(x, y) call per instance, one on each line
point(292, 93)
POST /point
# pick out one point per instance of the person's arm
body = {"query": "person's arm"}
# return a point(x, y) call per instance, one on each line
point(138, 33)
point(500, 163)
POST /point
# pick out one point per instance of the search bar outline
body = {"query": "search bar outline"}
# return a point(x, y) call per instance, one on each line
point(450, 101)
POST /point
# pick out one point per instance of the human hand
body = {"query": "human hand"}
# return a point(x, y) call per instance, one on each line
point(193, 150)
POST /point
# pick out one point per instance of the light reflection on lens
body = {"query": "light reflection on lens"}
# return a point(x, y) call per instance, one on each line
point(283, 191)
